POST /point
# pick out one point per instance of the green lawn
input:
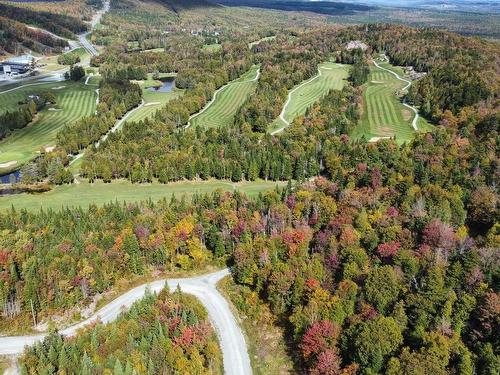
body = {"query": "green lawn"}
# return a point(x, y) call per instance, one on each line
point(212, 47)
point(333, 77)
point(74, 100)
point(84, 193)
point(228, 100)
point(383, 113)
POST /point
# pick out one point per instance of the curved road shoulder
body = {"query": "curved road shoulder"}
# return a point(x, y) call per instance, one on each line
point(231, 339)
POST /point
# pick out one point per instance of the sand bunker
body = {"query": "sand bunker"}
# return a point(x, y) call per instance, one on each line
point(8, 164)
point(58, 87)
point(376, 139)
point(152, 103)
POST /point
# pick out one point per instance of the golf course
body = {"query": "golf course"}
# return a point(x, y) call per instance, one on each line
point(83, 193)
point(384, 115)
point(226, 101)
point(331, 76)
point(153, 100)
point(74, 100)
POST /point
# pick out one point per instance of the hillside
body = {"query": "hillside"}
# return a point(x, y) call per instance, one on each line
point(59, 24)
point(16, 37)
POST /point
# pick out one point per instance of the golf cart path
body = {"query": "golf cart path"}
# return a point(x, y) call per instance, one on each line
point(232, 342)
point(408, 84)
point(115, 127)
point(288, 100)
point(235, 82)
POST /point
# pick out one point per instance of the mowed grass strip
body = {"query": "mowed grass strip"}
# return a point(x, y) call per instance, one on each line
point(383, 113)
point(83, 194)
point(227, 102)
point(74, 100)
point(333, 77)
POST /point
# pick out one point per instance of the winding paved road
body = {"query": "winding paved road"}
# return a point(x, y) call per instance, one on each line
point(232, 342)
point(408, 84)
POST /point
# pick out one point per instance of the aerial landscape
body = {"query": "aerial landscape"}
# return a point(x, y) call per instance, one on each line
point(247, 187)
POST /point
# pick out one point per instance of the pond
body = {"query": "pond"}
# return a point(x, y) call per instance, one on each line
point(10, 178)
point(168, 84)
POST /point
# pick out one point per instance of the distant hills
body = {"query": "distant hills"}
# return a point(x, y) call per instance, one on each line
point(320, 6)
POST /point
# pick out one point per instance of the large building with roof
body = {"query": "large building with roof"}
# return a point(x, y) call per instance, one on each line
point(17, 65)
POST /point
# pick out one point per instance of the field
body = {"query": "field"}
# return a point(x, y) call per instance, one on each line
point(332, 77)
point(227, 101)
point(74, 100)
point(83, 194)
point(383, 113)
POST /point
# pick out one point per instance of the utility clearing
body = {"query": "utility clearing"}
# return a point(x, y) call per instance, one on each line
point(331, 76)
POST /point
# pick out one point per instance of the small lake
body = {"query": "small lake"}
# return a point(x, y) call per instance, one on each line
point(168, 84)
point(10, 178)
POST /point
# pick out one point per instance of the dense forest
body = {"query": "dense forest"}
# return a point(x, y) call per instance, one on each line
point(168, 333)
point(388, 264)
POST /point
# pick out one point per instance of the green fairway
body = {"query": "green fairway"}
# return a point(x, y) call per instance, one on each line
point(331, 76)
point(383, 113)
point(222, 109)
point(153, 100)
point(74, 100)
point(99, 193)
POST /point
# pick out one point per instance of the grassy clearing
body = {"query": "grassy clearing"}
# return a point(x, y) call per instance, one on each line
point(265, 340)
point(50, 62)
point(383, 113)
point(99, 193)
point(266, 39)
point(74, 100)
point(333, 77)
point(229, 99)
point(212, 47)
